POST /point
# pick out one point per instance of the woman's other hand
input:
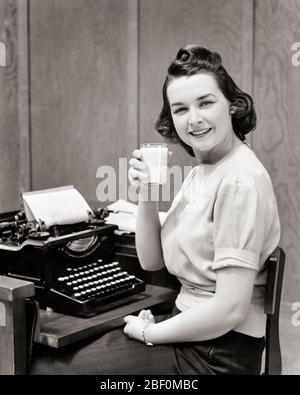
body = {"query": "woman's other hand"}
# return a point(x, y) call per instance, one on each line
point(147, 316)
point(134, 327)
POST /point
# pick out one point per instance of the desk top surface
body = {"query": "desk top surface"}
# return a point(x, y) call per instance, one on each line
point(58, 330)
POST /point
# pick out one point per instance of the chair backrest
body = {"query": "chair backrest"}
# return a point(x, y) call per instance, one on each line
point(275, 271)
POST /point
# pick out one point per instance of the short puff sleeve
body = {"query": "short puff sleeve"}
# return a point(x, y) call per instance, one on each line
point(238, 223)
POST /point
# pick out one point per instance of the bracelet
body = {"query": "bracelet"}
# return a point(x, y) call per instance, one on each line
point(144, 337)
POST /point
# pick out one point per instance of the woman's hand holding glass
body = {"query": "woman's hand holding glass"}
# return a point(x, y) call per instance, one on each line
point(138, 173)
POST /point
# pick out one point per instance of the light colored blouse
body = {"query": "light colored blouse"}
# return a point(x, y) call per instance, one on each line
point(224, 215)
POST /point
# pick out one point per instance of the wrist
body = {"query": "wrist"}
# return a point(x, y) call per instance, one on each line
point(149, 193)
point(145, 337)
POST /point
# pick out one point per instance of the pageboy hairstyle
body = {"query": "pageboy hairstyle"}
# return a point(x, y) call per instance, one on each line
point(194, 59)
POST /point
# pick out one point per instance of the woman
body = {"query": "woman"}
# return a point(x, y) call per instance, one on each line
point(219, 231)
point(216, 242)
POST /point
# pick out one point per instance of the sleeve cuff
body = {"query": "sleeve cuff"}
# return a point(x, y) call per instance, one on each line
point(227, 257)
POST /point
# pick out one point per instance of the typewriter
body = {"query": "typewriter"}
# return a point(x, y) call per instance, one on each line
point(71, 259)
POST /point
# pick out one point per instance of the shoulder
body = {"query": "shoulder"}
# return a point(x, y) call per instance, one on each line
point(245, 171)
point(236, 183)
point(247, 162)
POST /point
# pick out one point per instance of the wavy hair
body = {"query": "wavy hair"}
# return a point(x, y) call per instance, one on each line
point(194, 59)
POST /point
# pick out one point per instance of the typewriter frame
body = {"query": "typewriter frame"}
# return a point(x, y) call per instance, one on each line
point(43, 261)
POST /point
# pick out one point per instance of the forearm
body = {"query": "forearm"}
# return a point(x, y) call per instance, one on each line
point(148, 242)
point(206, 321)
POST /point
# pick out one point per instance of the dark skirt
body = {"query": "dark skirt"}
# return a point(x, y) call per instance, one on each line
point(115, 354)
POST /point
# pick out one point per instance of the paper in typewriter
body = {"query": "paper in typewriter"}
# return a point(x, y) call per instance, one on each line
point(56, 206)
point(124, 215)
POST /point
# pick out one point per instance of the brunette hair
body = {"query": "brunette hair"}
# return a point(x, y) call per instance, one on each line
point(194, 59)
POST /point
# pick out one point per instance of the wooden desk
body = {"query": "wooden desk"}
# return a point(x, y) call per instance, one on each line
point(13, 358)
point(58, 330)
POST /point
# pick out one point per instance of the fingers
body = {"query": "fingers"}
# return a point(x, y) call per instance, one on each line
point(137, 177)
point(137, 154)
point(137, 164)
point(146, 315)
point(142, 314)
point(151, 318)
point(127, 318)
point(137, 172)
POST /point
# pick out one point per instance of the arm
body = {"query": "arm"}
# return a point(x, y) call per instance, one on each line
point(210, 319)
point(148, 244)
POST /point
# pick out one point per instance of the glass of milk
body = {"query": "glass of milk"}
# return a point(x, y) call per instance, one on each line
point(155, 156)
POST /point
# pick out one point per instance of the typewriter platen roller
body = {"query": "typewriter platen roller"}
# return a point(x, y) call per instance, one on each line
point(74, 268)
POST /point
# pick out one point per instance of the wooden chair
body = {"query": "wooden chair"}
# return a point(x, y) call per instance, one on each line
point(275, 271)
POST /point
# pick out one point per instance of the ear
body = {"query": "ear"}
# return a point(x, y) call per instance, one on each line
point(232, 109)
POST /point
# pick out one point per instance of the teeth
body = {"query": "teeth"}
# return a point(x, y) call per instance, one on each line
point(199, 132)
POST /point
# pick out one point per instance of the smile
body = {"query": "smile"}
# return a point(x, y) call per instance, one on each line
point(198, 132)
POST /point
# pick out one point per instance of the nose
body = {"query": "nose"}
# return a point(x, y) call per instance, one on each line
point(195, 119)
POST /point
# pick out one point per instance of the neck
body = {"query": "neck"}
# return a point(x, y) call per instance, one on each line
point(218, 153)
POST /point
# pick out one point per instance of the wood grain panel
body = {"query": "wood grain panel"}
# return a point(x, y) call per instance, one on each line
point(165, 26)
point(23, 97)
point(81, 75)
point(9, 147)
point(277, 139)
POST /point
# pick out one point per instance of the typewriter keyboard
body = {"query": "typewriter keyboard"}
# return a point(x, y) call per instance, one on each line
point(89, 289)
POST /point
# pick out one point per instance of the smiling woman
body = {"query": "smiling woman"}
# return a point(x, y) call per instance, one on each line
point(216, 237)
point(201, 116)
point(199, 76)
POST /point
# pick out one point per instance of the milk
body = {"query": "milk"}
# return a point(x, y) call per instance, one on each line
point(155, 156)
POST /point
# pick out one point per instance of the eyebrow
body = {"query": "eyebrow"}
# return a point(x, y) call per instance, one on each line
point(198, 98)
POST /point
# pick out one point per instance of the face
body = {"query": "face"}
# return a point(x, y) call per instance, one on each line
point(201, 117)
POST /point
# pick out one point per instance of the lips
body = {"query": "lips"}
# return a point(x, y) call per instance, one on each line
point(199, 132)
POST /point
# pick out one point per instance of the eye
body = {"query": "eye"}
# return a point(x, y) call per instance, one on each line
point(179, 110)
point(205, 103)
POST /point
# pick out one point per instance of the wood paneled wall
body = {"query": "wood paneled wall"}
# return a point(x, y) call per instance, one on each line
point(277, 139)
point(83, 71)
point(96, 74)
point(9, 126)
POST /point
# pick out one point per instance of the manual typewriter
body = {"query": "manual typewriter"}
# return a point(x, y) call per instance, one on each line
point(73, 265)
